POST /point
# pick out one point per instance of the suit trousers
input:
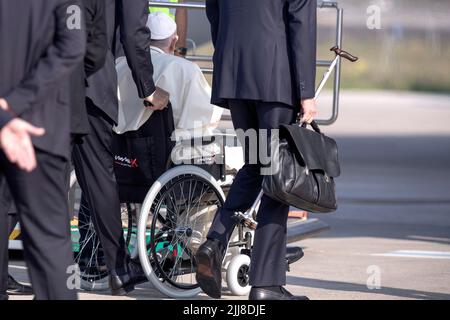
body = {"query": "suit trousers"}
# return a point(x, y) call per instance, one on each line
point(5, 203)
point(94, 166)
point(268, 265)
point(7, 209)
point(41, 201)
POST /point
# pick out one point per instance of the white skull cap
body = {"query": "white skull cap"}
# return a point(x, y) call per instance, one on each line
point(161, 25)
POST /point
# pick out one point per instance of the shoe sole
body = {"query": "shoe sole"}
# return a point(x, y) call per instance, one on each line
point(206, 282)
point(18, 293)
point(122, 291)
point(294, 260)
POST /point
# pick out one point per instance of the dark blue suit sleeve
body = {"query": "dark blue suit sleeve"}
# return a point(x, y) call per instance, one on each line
point(5, 117)
point(212, 12)
point(61, 58)
point(302, 20)
point(135, 38)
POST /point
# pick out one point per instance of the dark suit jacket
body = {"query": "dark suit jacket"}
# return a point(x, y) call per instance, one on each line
point(38, 52)
point(264, 50)
point(5, 117)
point(130, 17)
point(95, 20)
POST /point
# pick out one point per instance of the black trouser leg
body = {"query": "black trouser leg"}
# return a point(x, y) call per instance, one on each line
point(241, 195)
point(93, 161)
point(246, 185)
point(4, 234)
point(41, 200)
point(13, 218)
point(268, 267)
point(9, 220)
point(268, 260)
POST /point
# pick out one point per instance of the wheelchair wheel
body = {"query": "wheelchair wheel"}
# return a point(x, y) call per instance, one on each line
point(237, 275)
point(88, 253)
point(175, 218)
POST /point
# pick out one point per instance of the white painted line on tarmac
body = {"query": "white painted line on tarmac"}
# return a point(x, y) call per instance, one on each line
point(415, 254)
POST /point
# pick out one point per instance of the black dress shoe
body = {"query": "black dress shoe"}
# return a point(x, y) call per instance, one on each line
point(261, 293)
point(123, 281)
point(16, 288)
point(293, 254)
point(209, 258)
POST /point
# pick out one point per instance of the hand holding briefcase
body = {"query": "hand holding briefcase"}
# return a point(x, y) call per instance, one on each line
point(308, 164)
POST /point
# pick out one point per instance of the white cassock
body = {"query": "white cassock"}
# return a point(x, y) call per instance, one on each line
point(190, 95)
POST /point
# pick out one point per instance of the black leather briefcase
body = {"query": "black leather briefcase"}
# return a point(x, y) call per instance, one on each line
point(307, 165)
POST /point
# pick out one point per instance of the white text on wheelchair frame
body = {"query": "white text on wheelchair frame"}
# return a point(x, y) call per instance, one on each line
point(260, 147)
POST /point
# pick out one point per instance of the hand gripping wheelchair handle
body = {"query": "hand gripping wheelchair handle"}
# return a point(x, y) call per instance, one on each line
point(344, 54)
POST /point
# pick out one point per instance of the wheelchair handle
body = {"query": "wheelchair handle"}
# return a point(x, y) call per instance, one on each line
point(344, 54)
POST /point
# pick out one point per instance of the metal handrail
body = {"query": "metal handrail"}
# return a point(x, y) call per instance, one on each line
point(204, 58)
point(319, 63)
point(190, 5)
point(184, 5)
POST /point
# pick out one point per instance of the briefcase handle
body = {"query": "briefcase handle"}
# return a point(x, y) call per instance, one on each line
point(313, 123)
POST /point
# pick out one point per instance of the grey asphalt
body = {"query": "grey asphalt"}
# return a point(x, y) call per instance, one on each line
point(392, 229)
point(394, 195)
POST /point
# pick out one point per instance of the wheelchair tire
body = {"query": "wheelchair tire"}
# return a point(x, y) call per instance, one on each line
point(178, 226)
point(237, 275)
point(92, 269)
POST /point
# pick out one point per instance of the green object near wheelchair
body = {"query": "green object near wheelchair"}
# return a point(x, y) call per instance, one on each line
point(163, 245)
point(75, 236)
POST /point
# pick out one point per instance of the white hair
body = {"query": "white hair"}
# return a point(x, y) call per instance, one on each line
point(164, 43)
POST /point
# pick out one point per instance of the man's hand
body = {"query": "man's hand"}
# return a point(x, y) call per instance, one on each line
point(15, 141)
point(309, 110)
point(159, 99)
point(4, 104)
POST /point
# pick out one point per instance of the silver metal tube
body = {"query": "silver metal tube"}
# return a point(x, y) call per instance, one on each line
point(187, 5)
point(202, 58)
point(324, 63)
point(337, 73)
point(327, 4)
point(255, 204)
point(184, 5)
point(326, 76)
point(199, 58)
point(207, 70)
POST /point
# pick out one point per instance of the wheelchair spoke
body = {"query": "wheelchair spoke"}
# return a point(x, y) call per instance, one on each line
point(181, 207)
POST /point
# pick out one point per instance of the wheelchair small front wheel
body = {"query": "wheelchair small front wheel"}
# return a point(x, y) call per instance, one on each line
point(237, 275)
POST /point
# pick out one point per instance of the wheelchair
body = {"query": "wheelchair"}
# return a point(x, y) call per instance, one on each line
point(166, 229)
